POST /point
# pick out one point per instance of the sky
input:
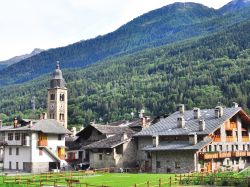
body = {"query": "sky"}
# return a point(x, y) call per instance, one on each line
point(29, 24)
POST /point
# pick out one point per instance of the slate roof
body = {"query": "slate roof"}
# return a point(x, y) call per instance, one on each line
point(108, 129)
point(177, 145)
point(168, 126)
point(109, 142)
point(71, 144)
point(48, 126)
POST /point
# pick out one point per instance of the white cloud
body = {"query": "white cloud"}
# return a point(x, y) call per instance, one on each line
point(28, 24)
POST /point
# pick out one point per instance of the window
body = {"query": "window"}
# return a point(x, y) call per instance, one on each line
point(227, 147)
point(17, 151)
point(52, 97)
point(61, 97)
point(40, 151)
point(100, 157)
point(10, 165)
point(232, 147)
point(10, 136)
point(177, 165)
point(236, 147)
point(59, 137)
point(215, 147)
point(244, 147)
point(158, 164)
point(10, 151)
point(62, 117)
point(17, 166)
point(17, 136)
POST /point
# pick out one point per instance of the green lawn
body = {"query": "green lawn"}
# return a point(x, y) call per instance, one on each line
point(125, 180)
point(114, 179)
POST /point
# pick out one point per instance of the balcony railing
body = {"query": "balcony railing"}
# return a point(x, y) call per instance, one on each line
point(42, 143)
point(239, 153)
point(245, 138)
point(231, 139)
point(207, 156)
point(215, 155)
point(224, 154)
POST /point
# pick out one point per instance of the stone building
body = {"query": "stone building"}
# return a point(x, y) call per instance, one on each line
point(57, 107)
point(196, 140)
point(113, 141)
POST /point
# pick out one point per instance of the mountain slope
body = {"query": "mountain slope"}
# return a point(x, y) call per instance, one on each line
point(166, 25)
point(17, 59)
point(199, 72)
point(235, 5)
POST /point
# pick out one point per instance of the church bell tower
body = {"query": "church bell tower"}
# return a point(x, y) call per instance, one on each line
point(58, 98)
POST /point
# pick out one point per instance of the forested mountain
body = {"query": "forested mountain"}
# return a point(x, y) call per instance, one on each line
point(235, 5)
point(199, 72)
point(176, 22)
point(16, 59)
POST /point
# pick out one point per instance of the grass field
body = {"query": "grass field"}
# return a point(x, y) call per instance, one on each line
point(115, 179)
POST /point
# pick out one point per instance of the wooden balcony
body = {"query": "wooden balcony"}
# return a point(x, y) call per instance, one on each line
point(231, 139)
point(224, 154)
point(42, 143)
point(230, 125)
point(207, 156)
point(248, 153)
point(245, 138)
point(239, 153)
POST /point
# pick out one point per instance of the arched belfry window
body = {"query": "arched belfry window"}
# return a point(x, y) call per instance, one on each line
point(61, 97)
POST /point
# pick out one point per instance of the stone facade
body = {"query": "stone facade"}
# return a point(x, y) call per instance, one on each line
point(173, 162)
point(122, 156)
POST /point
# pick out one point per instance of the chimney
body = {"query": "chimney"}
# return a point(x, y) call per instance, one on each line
point(181, 108)
point(202, 125)
point(124, 137)
point(180, 122)
point(235, 105)
point(143, 118)
point(15, 122)
point(155, 141)
point(197, 113)
point(73, 130)
point(218, 111)
point(192, 138)
point(1, 124)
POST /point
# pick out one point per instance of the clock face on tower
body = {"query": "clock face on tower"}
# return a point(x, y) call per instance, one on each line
point(62, 107)
point(52, 106)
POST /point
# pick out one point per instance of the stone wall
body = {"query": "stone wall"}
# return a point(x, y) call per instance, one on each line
point(173, 162)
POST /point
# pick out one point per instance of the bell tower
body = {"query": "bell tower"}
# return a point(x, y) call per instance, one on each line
point(58, 98)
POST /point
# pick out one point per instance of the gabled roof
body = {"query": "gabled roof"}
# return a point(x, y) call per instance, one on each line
point(106, 129)
point(48, 126)
point(168, 126)
point(109, 142)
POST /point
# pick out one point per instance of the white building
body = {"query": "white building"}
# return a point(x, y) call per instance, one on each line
point(34, 146)
point(38, 145)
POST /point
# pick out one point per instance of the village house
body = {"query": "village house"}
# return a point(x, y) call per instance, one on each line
point(107, 145)
point(33, 146)
point(38, 145)
point(197, 140)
